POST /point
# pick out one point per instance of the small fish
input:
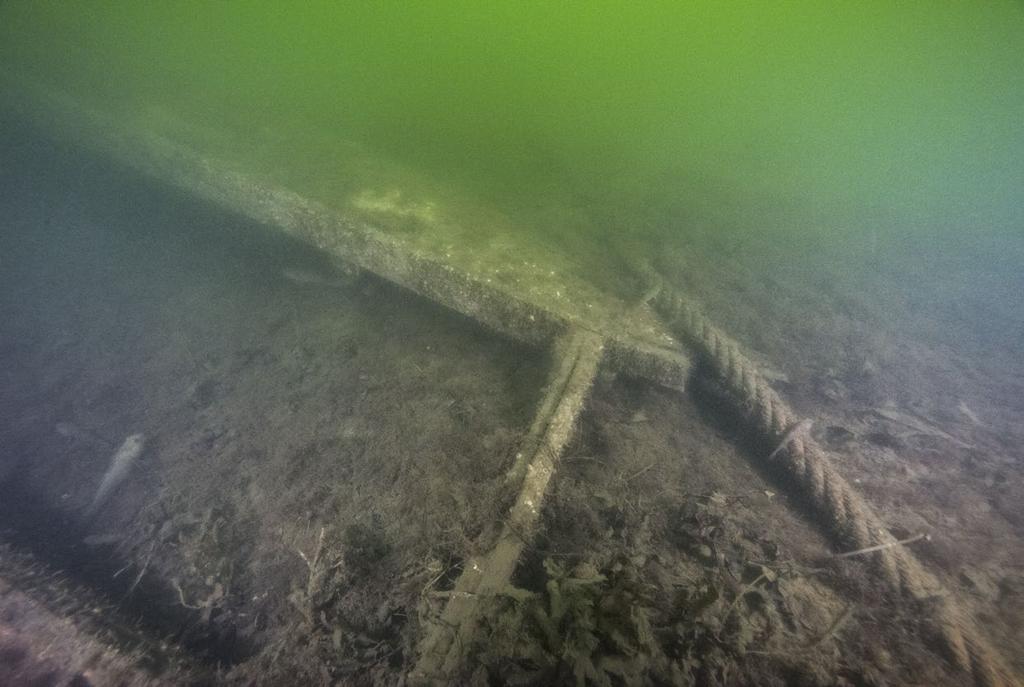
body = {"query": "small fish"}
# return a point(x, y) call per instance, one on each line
point(120, 464)
point(791, 433)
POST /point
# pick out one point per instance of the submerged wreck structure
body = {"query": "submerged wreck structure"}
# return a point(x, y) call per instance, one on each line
point(593, 623)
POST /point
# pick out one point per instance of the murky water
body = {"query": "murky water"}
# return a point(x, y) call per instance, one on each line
point(322, 459)
point(850, 120)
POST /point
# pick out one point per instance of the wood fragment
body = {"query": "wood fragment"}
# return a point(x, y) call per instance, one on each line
point(880, 547)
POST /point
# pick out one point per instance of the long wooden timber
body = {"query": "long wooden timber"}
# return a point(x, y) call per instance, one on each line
point(446, 641)
point(528, 302)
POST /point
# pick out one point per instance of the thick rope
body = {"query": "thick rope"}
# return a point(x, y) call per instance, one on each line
point(848, 515)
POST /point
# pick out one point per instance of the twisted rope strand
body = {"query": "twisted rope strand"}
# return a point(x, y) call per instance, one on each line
point(851, 518)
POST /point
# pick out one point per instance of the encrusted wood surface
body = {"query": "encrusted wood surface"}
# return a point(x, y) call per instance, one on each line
point(639, 344)
point(443, 647)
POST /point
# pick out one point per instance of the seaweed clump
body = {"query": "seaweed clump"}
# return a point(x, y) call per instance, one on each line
point(585, 627)
point(718, 607)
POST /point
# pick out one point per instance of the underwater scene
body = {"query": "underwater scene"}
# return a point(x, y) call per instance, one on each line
point(511, 343)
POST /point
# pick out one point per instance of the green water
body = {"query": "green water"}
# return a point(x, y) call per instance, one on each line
point(838, 185)
point(846, 118)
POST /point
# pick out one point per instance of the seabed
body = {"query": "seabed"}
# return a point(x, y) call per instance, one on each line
point(377, 450)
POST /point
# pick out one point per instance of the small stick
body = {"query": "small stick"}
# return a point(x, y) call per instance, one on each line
point(879, 547)
point(319, 548)
point(316, 553)
point(181, 596)
point(145, 566)
point(639, 472)
point(839, 621)
point(430, 584)
point(743, 592)
point(834, 628)
point(791, 433)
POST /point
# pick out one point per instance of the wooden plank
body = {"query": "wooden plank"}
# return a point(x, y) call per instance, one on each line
point(443, 648)
point(638, 344)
